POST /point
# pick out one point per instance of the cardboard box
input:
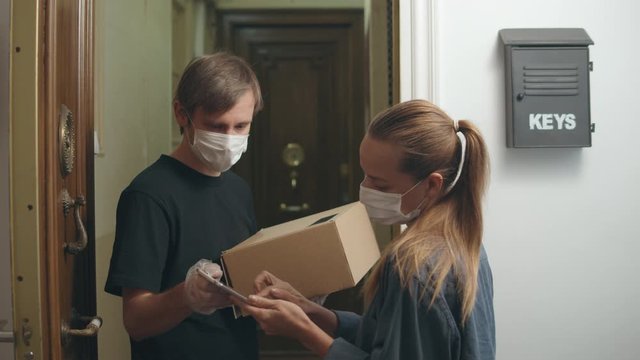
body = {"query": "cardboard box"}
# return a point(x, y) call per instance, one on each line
point(318, 254)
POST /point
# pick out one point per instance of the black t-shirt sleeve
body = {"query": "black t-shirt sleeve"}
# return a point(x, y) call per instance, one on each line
point(141, 244)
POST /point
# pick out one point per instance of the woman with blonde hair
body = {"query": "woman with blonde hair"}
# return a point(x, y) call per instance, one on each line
point(431, 294)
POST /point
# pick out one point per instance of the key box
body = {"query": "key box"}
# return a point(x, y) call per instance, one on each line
point(547, 87)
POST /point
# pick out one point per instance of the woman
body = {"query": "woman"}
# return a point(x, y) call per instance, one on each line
point(431, 294)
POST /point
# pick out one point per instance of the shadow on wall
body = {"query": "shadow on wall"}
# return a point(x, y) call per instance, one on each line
point(561, 163)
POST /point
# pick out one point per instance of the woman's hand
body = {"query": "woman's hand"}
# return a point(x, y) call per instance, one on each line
point(269, 286)
point(285, 318)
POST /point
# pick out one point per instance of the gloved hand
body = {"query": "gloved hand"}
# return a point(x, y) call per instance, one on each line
point(202, 296)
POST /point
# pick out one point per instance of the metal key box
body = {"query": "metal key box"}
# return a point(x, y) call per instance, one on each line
point(547, 87)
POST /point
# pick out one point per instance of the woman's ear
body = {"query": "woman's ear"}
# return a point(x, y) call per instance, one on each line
point(434, 185)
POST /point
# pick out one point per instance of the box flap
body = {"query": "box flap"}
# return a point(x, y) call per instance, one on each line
point(358, 240)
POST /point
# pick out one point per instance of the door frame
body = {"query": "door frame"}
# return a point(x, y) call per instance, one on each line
point(6, 286)
point(25, 191)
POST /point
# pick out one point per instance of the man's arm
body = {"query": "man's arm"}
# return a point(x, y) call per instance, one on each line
point(147, 314)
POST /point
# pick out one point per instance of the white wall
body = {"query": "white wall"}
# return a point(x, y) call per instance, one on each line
point(133, 117)
point(6, 318)
point(561, 224)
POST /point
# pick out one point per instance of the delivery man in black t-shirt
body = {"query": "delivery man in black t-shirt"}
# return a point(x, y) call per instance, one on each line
point(185, 207)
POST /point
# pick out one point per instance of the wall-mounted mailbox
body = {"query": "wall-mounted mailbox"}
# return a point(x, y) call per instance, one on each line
point(547, 87)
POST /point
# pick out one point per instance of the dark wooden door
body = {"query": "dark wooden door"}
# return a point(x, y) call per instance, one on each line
point(303, 148)
point(67, 149)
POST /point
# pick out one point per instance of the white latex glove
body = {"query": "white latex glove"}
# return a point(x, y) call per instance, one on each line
point(202, 296)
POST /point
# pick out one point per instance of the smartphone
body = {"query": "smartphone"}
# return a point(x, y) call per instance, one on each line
point(224, 288)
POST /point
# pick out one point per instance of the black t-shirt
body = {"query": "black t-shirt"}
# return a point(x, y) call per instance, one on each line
point(168, 218)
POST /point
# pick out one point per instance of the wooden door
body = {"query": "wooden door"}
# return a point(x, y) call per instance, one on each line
point(303, 148)
point(66, 147)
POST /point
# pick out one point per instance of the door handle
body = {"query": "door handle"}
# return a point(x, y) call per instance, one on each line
point(90, 330)
point(294, 208)
point(81, 240)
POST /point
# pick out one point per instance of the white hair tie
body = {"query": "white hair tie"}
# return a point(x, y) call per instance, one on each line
point(463, 146)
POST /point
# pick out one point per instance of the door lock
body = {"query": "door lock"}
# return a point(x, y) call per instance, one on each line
point(27, 332)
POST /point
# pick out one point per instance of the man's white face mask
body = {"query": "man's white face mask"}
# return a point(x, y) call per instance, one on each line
point(217, 151)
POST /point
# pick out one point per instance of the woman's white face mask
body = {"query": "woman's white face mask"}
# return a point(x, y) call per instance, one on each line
point(386, 208)
point(217, 151)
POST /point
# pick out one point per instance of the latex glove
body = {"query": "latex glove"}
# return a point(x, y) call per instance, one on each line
point(202, 296)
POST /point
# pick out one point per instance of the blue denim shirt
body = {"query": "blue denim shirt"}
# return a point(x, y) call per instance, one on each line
point(399, 324)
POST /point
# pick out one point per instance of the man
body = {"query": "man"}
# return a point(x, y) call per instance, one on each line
point(185, 207)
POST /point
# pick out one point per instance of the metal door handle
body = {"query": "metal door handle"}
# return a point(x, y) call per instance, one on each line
point(294, 208)
point(81, 240)
point(91, 329)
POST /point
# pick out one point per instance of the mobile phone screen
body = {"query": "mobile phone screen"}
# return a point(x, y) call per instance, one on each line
point(224, 288)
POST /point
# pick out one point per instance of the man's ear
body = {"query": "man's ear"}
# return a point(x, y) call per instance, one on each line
point(434, 185)
point(180, 113)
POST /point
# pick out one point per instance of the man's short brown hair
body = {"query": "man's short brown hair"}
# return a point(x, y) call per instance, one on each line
point(216, 82)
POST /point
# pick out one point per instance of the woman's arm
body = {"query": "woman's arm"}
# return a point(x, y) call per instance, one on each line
point(285, 318)
point(320, 315)
point(269, 286)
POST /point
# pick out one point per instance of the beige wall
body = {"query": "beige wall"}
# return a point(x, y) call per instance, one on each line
point(193, 34)
point(133, 120)
point(376, 42)
point(289, 4)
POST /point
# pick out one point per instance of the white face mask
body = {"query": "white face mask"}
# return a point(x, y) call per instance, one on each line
point(386, 208)
point(218, 151)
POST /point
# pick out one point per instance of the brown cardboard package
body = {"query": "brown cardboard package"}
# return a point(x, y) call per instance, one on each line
point(318, 254)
